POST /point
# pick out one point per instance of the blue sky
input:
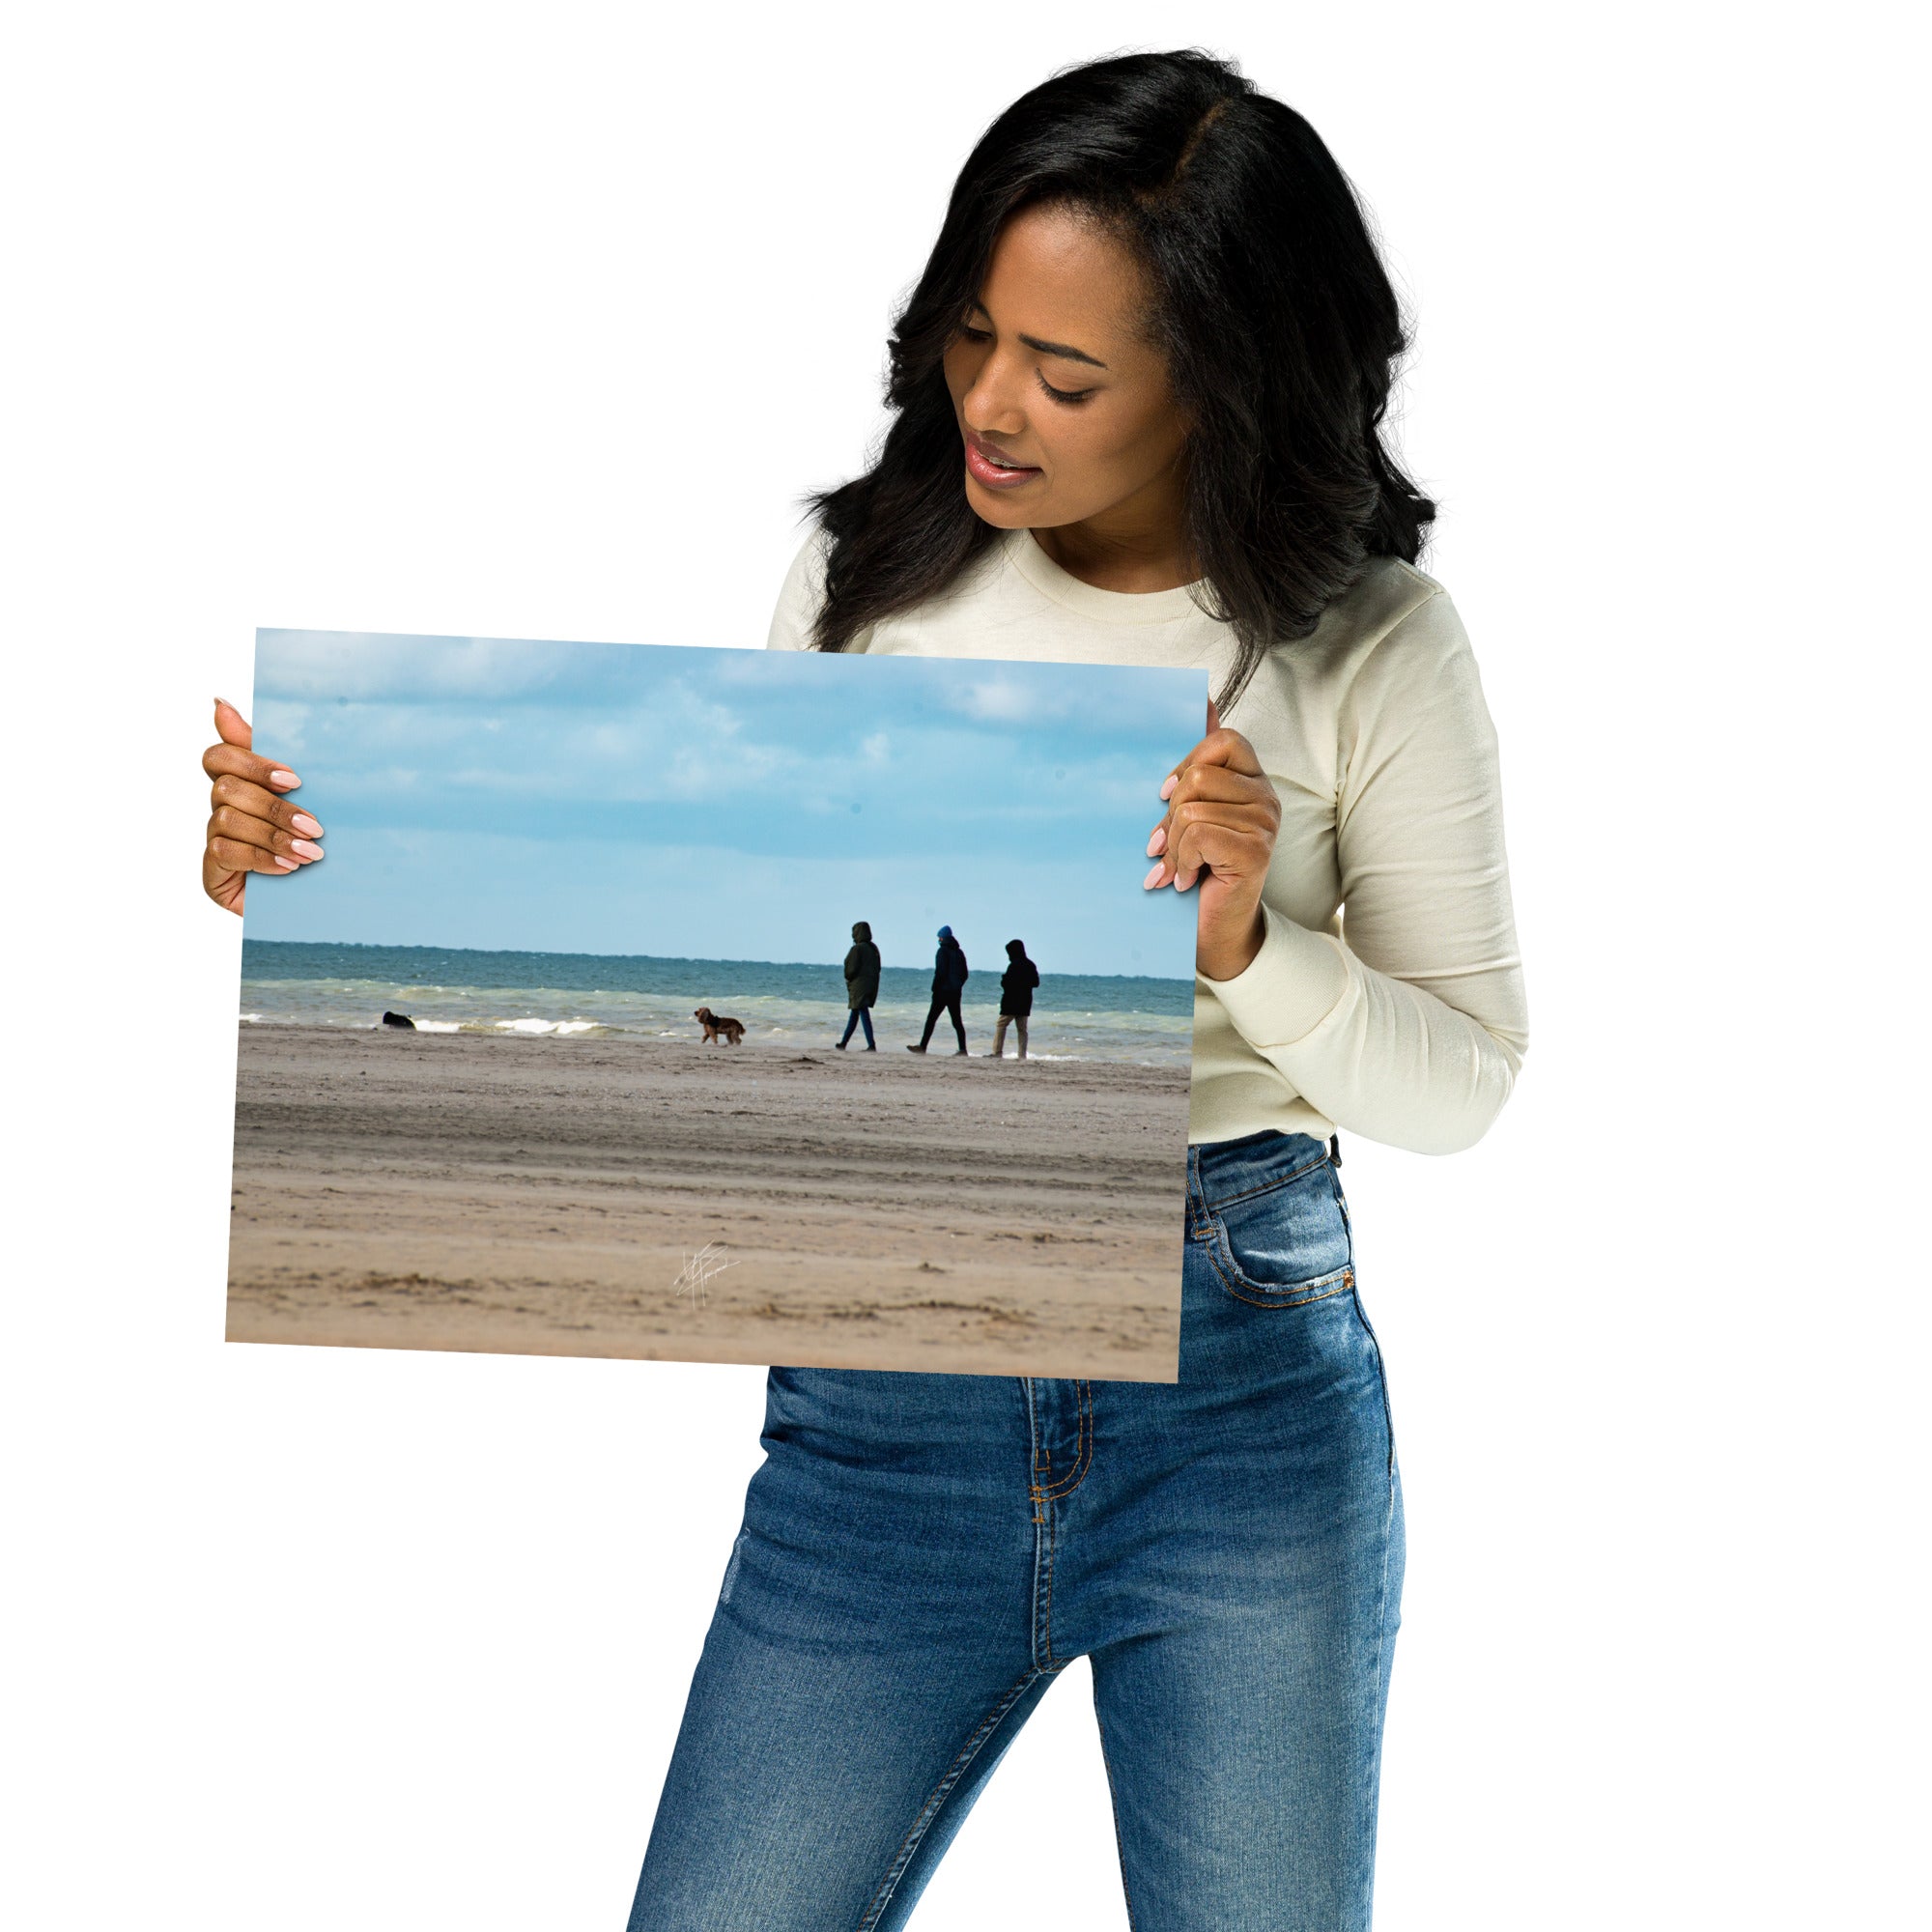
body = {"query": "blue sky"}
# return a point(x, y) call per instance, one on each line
point(723, 803)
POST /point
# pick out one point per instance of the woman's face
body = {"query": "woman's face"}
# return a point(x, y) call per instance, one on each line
point(1063, 406)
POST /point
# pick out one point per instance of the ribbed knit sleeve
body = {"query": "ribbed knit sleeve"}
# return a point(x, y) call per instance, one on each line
point(799, 598)
point(1410, 1027)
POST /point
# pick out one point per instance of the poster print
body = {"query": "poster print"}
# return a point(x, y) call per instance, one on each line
point(590, 1034)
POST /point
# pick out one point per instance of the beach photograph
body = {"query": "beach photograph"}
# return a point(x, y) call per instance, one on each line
point(704, 1004)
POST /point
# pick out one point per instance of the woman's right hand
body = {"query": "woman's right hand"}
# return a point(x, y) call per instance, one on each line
point(253, 827)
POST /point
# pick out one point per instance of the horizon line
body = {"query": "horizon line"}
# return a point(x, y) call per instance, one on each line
point(662, 958)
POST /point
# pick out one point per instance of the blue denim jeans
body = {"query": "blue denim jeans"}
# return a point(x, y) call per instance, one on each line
point(922, 1555)
point(860, 1015)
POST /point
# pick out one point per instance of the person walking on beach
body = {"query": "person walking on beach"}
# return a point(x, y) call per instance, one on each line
point(949, 981)
point(1016, 985)
point(1139, 404)
point(862, 984)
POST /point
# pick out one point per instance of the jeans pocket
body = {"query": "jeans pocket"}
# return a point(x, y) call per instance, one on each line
point(1286, 1244)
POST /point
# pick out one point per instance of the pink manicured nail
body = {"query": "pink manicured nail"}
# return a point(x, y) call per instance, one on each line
point(288, 865)
point(306, 848)
point(1172, 780)
point(1158, 842)
point(1152, 878)
point(286, 780)
point(301, 822)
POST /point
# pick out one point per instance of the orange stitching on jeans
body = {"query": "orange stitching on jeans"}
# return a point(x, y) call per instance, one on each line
point(1342, 1287)
point(1083, 1452)
point(1043, 1520)
point(1242, 1288)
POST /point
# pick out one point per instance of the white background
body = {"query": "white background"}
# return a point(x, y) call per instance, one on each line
point(537, 322)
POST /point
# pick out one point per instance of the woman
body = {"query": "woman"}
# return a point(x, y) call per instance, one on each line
point(862, 984)
point(1137, 400)
point(1016, 988)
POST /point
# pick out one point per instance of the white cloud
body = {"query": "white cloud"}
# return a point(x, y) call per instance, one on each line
point(324, 665)
point(999, 700)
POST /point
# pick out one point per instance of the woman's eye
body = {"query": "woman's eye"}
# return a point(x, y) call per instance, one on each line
point(972, 334)
point(1064, 395)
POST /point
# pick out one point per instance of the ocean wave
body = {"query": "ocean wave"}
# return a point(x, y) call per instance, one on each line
point(1079, 1031)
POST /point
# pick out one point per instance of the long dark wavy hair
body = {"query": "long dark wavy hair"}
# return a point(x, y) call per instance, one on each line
point(1271, 303)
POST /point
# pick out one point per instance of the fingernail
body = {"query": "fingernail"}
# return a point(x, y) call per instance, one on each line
point(1172, 780)
point(1158, 842)
point(1152, 878)
point(306, 848)
point(304, 824)
point(286, 780)
point(288, 865)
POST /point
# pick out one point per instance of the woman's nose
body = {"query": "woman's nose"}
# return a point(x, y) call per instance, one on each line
point(992, 404)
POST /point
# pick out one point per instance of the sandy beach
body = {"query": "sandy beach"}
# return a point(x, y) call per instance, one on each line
point(547, 1196)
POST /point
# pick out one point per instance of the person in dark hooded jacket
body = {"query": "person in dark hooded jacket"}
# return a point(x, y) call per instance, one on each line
point(1016, 985)
point(948, 981)
point(862, 984)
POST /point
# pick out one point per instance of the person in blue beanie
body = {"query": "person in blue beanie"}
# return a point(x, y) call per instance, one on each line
point(949, 981)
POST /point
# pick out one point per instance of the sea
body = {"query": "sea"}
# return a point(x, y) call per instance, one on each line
point(454, 990)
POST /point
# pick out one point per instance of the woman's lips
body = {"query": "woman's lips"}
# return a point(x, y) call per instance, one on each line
point(985, 465)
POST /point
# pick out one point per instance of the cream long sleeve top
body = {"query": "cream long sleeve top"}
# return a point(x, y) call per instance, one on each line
point(1387, 998)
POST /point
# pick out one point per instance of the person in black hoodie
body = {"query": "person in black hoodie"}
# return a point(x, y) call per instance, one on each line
point(1016, 985)
point(948, 981)
point(862, 984)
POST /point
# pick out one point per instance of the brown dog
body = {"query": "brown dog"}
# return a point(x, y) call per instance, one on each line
point(717, 1027)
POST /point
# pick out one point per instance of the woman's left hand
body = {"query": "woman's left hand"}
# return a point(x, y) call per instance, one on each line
point(1222, 817)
